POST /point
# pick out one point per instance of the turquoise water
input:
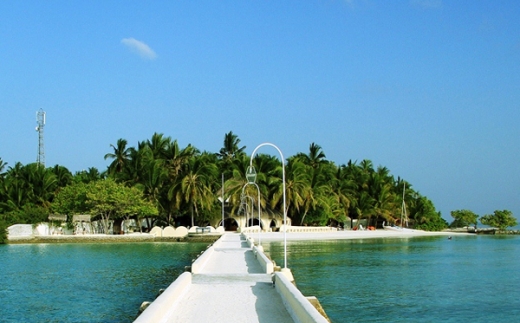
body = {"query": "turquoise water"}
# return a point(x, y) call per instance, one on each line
point(466, 279)
point(433, 279)
point(86, 282)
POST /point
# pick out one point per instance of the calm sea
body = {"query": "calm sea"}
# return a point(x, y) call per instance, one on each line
point(86, 282)
point(466, 279)
point(433, 279)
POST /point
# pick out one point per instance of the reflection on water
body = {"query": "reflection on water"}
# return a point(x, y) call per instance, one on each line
point(86, 282)
point(430, 279)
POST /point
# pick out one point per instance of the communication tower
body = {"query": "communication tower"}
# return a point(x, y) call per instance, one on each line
point(40, 120)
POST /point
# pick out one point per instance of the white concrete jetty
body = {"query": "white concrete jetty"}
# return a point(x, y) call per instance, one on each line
point(232, 281)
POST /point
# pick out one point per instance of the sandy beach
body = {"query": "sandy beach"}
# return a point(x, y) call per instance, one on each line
point(348, 234)
point(265, 236)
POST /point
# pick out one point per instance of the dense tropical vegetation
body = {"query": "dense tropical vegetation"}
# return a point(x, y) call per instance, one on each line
point(181, 185)
point(463, 218)
point(500, 219)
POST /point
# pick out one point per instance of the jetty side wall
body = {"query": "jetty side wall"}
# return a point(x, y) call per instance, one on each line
point(158, 309)
point(265, 262)
point(198, 265)
point(299, 307)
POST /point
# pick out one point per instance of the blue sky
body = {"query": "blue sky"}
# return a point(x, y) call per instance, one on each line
point(428, 88)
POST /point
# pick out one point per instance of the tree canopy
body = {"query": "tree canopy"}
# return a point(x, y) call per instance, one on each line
point(181, 185)
point(104, 199)
point(501, 219)
point(463, 218)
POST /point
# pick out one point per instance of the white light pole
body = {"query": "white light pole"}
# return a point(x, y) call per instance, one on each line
point(243, 205)
point(223, 226)
point(284, 206)
point(259, 218)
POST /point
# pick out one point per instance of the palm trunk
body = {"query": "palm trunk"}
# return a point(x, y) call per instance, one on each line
point(192, 216)
point(303, 218)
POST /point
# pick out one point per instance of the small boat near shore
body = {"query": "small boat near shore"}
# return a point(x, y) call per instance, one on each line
point(397, 228)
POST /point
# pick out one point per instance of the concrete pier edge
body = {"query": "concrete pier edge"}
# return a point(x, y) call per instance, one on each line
point(299, 307)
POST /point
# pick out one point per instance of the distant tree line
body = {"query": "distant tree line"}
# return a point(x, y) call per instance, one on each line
point(174, 185)
point(500, 219)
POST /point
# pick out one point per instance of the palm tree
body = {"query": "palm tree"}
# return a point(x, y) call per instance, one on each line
point(343, 189)
point(15, 171)
point(2, 167)
point(230, 150)
point(15, 195)
point(236, 181)
point(194, 187)
point(159, 145)
point(298, 188)
point(133, 170)
point(92, 174)
point(63, 175)
point(42, 184)
point(364, 206)
point(152, 184)
point(176, 157)
point(314, 158)
point(120, 156)
point(382, 193)
point(152, 180)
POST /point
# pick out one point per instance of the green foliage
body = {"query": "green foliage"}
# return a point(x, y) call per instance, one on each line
point(317, 217)
point(426, 217)
point(105, 199)
point(110, 200)
point(161, 181)
point(3, 231)
point(499, 219)
point(28, 214)
point(71, 199)
point(87, 176)
point(463, 218)
point(434, 223)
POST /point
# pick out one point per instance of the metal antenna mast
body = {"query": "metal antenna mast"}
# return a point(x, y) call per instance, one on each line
point(40, 119)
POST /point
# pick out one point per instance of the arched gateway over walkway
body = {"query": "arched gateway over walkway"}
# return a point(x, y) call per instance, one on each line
point(269, 222)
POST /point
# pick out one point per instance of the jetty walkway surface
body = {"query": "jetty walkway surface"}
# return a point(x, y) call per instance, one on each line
point(228, 283)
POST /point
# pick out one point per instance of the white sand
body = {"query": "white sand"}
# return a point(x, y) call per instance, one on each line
point(348, 234)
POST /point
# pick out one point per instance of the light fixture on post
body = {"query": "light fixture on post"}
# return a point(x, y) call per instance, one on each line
point(251, 174)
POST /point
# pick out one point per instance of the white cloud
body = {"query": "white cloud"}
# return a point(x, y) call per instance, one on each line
point(139, 48)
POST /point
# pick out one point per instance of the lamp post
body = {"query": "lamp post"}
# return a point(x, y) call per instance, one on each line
point(223, 201)
point(259, 219)
point(223, 226)
point(285, 269)
point(243, 206)
point(251, 177)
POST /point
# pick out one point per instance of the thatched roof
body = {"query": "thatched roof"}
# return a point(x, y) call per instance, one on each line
point(58, 217)
point(81, 217)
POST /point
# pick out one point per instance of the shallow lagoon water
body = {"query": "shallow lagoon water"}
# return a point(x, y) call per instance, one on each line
point(424, 279)
point(86, 282)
